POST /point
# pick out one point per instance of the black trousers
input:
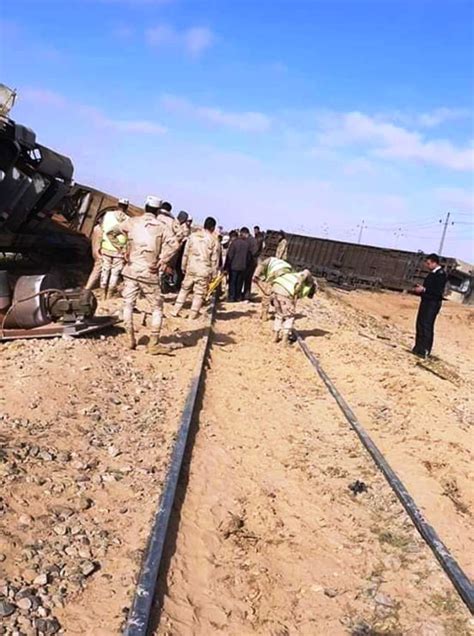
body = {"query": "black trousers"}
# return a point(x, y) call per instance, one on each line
point(425, 321)
point(249, 272)
point(236, 284)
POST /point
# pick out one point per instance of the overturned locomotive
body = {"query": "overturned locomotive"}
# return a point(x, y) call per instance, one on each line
point(44, 255)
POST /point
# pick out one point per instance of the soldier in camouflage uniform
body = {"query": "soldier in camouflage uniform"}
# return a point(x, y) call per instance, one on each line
point(112, 248)
point(151, 245)
point(286, 290)
point(266, 272)
point(200, 264)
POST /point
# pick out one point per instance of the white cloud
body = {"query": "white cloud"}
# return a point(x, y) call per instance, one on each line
point(247, 121)
point(388, 140)
point(51, 99)
point(194, 41)
point(441, 115)
point(456, 199)
point(44, 97)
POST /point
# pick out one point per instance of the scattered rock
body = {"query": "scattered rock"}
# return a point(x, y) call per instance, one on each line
point(331, 592)
point(6, 609)
point(47, 626)
point(41, 579)
point(88, 568)
point(384, 600)
point(24, 603)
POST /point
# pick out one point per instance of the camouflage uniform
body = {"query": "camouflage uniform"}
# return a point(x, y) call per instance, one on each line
point(96, 240)
point(201, 263)
point(266, 272)
point(112, 250)
point(286, 289)
point(282, 249)
point(150, 246)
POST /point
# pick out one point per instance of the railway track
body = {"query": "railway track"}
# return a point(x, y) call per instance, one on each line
point(147, 607)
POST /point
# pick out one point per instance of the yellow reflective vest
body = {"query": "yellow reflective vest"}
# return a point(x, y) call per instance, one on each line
point(109, 222)
point(290, 285)
point(274, 268)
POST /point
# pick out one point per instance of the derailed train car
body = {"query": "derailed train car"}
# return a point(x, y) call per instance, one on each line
point(45, 225)
point(352, 265)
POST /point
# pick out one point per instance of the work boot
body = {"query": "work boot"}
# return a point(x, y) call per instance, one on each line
point(131, 340)
point(155, 348)
point(276, 336)
point(194, 315)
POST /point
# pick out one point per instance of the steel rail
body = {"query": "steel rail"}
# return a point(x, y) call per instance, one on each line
point(139, 617)
point(458, 578)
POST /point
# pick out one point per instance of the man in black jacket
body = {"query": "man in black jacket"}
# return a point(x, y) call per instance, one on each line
point(237, 261)
point(431, 293)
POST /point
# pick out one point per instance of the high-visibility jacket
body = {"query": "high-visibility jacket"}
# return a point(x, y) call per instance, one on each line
point(275, 267)
point(112, 220)
point(290, 285)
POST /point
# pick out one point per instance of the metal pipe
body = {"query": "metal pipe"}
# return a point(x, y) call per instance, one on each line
point(456, 575)
point(140, 613)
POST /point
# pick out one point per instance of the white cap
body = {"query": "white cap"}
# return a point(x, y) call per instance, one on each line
point(123, 201)
point(153, 202)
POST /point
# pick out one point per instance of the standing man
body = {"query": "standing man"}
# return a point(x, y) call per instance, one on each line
point(282, 247)
point(286, 289)
point(200, 264)
point(182, 231)
point(260, 238)
point(431, 293)
point(148, 253)
point(252, 264)
point(96, 240)
point(113, 248)
point(238, 257)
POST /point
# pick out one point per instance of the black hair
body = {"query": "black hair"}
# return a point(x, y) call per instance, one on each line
point(166, 206)
point(233, 234)
point(282, 234)
point(434, 258)
point(151, 209)
point(210, 224)
point(244, 230)
point(183, 216)
point(256, 227)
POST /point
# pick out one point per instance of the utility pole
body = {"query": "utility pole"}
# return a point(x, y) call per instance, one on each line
point(445, 229)
point(362, 227)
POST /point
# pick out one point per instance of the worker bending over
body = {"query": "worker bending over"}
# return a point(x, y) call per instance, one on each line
point(286, 289)
point(113, 248)
point(264, 275)
point(200, 264)
point(151, 245)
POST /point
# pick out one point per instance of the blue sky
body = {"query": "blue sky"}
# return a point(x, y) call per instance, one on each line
point(309, 115)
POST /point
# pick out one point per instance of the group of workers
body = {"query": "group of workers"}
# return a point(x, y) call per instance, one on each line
point(142, 248)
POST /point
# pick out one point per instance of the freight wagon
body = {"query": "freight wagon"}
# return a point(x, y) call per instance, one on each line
point(352, 265)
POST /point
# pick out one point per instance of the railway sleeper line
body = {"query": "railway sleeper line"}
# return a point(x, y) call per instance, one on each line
point(142, 616)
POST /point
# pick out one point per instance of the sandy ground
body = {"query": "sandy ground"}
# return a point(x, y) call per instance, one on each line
point(270, 539)
point(86, 428)
point(422, 423)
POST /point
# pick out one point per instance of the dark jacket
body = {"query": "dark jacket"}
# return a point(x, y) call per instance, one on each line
point(434, 285)
point(260, 240)
point(239, 255)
